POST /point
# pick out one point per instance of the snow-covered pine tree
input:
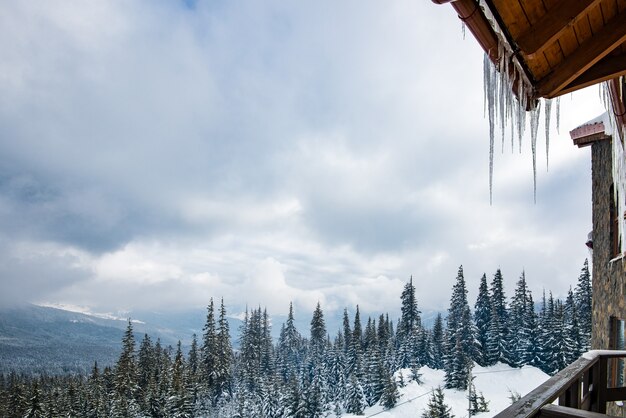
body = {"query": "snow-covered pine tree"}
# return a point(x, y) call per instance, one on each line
point(267, 347)
point(288, 350)
point(437, 407)
point(410, 314)
point(518, 333)
point(574, 340)
point(145, 366)
point(317, 342)
point(314, 400)
point(347, 331)
point(583, 295)
point(482, 321)
point(193, 359)
point(408, 326)
point(457, 367)
point(208, 353)
point(460, 336)
point(390, 395)
point(34, 405)
point(477, 401)
point(126, 387)
point(294, 401)
point(532, 344)
point(224, 360)
point(382, 332)
point(355, 401)
point(501, 316)
point(355, 353)
point(438, 351)
point(335, 372)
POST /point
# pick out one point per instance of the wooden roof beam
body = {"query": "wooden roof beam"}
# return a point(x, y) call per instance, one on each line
point(586, 56)
point(560, 17)
point(606, 69)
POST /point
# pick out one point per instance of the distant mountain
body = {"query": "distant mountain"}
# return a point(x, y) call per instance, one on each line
point(37, 339)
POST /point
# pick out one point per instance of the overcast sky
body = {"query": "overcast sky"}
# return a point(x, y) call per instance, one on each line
point(154, 154)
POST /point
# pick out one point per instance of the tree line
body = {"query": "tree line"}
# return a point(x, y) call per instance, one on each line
point(316, 375)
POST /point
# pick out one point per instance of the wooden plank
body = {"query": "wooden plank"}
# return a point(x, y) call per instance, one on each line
point(583, 142)
point(512, 15)
point(616, 394)
point(534, 10)
point(554, 411)
point(596, 21)
point(588, 54)
point(569, 42)
point(540, 66)
point(608, 68)
point(554, 56)
point(552, 24)
point(609, 10)
point(582, 29)
point(548, 391)
point(602, 384)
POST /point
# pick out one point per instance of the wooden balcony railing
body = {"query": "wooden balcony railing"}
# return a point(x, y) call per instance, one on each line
point(582, 389)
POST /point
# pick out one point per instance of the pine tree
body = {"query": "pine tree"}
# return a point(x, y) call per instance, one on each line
point(126, 376)
point(390, 394)
point(355, 402)
point(518, 333)
point(355, 350)
point(209, 354)
point(457, 367)
point(460, 336)
point(145, 365)
point(289, 346)
point(573, 334)
point(500, 316)
point(34, 405)
point(438, 351)
point(477, 401)
point(317, 341)
point(347, 331)
point(224, 350)
point(410, 314)
point(482, 321)
point(533, 340)
point(193, 359)
point(583, 296)
point(437, 407)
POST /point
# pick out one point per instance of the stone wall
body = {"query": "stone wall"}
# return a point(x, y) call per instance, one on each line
point(608, 276)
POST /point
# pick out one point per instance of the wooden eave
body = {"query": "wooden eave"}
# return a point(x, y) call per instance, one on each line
point(561, 45)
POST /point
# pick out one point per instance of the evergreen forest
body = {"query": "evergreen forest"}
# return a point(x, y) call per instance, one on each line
point(316, 375)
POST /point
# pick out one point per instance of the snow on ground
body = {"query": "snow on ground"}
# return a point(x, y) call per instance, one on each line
point(495, 382)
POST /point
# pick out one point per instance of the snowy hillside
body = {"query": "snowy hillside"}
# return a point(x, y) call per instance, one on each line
point(495, 382)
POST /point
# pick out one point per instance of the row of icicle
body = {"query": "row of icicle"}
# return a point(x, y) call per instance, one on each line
point(506, 108)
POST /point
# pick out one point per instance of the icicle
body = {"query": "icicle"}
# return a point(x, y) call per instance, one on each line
point(463, 29)
point(486, 83)
point(548, 109)
point(534, 127)
point(490, 93)
point(558, 114)
point(521, 114)
point(502, 88)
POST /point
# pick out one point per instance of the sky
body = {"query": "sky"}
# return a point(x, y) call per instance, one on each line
point(155, 154)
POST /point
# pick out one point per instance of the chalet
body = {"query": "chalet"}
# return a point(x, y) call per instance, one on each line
point(544, 49)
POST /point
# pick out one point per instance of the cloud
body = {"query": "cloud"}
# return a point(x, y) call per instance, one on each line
point(166, 153)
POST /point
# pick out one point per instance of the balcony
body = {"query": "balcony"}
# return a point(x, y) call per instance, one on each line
point(581, 390)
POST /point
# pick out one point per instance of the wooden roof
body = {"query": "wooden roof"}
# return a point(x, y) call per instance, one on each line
point(561, 45)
